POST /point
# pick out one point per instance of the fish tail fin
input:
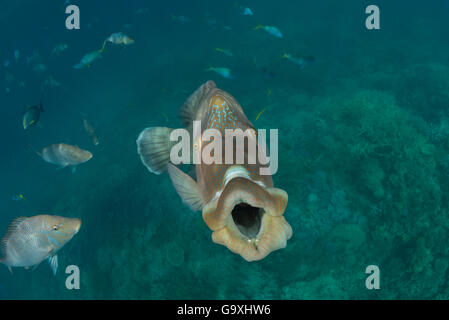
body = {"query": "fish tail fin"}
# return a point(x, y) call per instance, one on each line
point(259, 26)
point(153, 146)
point(79, 66)
point(285, 55)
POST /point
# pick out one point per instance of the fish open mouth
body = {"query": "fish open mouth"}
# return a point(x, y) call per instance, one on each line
point(248, 219)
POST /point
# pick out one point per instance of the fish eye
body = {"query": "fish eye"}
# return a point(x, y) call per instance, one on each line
point(55, 227)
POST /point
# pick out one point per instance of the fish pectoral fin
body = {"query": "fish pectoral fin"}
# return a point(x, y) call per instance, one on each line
point(53, 261)
point(186, 187)
point(153, 146)
point(73, 169)
point(10, 270)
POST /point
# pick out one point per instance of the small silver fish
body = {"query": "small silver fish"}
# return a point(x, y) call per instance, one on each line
point(31, 115)
point(91, 132)
point(226, 52)
point(29, 241)
point(301, 61)
point(65, 155)
point(87, 60)
point(247, 12)
point(271, 30)
point(224, 72)
point(120, 38)
point(59, 48)
point(51, 82)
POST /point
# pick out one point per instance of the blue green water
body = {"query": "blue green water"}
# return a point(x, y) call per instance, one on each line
point(363, 145)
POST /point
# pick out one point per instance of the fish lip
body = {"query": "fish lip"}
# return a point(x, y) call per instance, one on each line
point(273, 231)
point(278, 232)
point(225, 211)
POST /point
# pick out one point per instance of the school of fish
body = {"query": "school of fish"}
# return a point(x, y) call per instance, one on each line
point(242, 208)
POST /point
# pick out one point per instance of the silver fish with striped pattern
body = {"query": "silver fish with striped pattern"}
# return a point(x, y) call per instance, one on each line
point(31, 240)
point(64, 155)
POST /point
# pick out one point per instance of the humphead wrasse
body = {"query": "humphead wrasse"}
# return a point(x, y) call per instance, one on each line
point(29, 241)
point(242, 207)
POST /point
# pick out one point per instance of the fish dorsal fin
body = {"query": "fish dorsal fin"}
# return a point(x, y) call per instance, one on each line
point(186, 187)
point(11, 230)
point(190, 107)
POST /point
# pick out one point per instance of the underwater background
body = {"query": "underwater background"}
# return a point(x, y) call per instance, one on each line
point(363, 145)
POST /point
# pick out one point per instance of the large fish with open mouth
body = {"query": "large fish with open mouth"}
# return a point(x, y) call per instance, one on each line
point(241, 206)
